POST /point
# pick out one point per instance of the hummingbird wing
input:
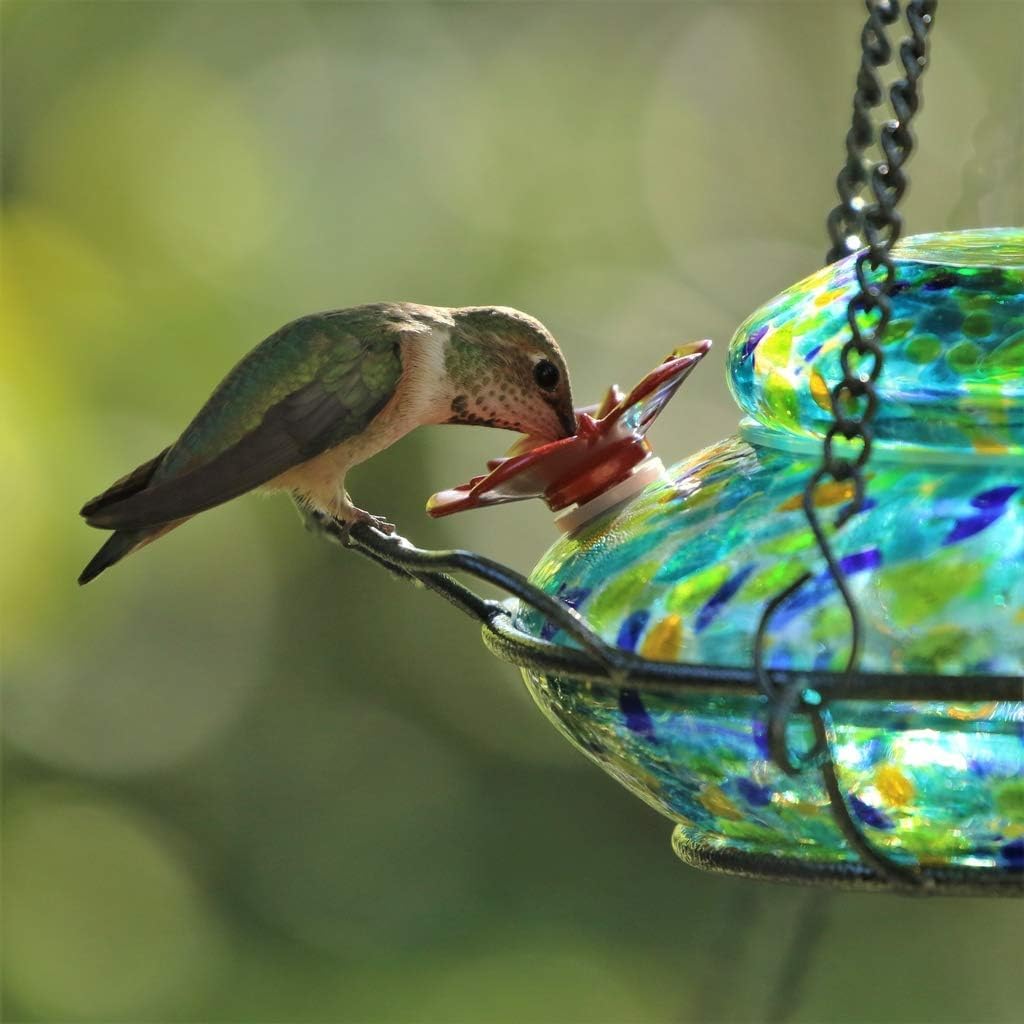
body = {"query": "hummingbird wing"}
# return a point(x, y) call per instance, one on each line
point(306, 388)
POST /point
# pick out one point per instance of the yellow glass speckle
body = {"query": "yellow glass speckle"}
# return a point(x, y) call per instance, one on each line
point(828, 494)
point(893, 786)
point(623, 591)
point(664, 640)
point(819, 391)
point(718, 803)
point(774, 348)
point(827, 298)
point(983, 443)
point(773, 579)
point(790, 543)
point(781, 398)
point(696, 589)
point(972, 712)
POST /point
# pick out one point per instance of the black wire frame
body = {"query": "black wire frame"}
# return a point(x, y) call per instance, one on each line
point(789, 692)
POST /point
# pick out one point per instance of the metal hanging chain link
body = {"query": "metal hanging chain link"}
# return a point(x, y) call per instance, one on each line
point(854, 400)
point(845, 222)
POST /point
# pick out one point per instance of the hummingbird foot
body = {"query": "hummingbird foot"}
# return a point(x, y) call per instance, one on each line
point(354, 517)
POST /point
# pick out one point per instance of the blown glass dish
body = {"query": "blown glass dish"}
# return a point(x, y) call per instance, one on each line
point(682, 570)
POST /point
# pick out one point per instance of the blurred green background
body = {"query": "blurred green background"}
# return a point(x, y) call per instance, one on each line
point(247, 777)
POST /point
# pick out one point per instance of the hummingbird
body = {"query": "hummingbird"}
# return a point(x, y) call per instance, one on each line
point(327, 392)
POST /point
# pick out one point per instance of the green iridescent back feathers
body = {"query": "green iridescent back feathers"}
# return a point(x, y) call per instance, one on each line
point(349, 353)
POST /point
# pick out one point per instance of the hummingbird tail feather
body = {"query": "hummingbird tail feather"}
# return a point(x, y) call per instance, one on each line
point(137, 480)
point(120, 544)
point(116, 547)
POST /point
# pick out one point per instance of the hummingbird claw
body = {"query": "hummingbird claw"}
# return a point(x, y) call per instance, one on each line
point(316, 521)
point(359, 516)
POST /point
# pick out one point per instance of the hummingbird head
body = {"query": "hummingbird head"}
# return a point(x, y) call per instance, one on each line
point(506, 370)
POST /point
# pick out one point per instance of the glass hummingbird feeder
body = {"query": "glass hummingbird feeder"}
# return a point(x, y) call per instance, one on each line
point(677, 565)
point(804, 644)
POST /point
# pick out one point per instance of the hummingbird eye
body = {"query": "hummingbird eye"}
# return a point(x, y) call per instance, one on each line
point(546, 374)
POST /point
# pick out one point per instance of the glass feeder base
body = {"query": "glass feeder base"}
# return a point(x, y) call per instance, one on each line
point(694, 849)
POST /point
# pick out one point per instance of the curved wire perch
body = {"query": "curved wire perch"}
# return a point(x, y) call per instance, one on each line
point(600, 662)
point(430, 568)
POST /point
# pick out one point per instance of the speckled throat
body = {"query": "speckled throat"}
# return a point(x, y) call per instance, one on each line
point(490, 385)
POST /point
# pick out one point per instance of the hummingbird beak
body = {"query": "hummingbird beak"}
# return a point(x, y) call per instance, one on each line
point(567, 418)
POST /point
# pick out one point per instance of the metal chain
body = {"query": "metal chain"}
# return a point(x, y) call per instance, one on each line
point(845, 222)
point(854, 400)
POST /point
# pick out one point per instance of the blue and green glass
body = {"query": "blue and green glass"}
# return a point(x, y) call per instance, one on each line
point(934, 560)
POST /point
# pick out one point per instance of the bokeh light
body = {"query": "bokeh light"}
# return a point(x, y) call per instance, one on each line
point(103, 918)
